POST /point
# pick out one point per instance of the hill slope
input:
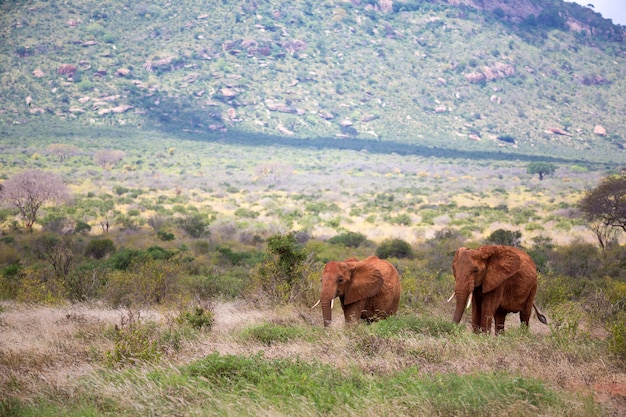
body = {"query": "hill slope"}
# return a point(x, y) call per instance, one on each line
point(530, 76)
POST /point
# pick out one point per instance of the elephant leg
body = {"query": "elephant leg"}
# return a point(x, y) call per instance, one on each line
point(487, 323)
point(353, 312)
point(500, 317)
point(524, 315)
point(477, 312)
point(491, 302)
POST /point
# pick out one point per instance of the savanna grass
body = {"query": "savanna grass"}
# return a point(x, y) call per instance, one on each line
point(243, 385)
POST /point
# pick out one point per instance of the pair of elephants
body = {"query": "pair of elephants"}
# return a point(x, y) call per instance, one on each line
point(500, 280)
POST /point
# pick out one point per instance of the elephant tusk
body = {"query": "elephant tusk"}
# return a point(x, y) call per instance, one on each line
point(315, 305)
point(469, 301)
point(451, 297)
point(332, 302)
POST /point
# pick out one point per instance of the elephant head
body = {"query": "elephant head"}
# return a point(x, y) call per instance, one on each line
point(352, 281)
point(487, 267)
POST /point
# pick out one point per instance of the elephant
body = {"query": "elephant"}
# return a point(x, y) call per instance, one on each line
point(500, 279)
point(368, 289)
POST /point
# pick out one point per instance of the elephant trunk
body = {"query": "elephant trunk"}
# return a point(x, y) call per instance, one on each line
point(463, 300)
point(326, 313)
point(326, 299)
point(460, 307)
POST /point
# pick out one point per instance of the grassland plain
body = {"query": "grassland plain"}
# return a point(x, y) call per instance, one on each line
point(272, 188)
point(280, 361)
point(261, 359)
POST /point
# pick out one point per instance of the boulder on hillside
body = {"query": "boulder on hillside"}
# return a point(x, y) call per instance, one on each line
point(558, 131)
point(599, 130)
point(122, 72)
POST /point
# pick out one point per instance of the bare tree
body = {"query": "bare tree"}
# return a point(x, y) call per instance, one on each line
point(29, 190)
point(605, 208)
point(62, 150)
point(604, 233)
point(107, 157)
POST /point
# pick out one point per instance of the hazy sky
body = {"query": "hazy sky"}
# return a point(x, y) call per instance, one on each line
point(609, 9)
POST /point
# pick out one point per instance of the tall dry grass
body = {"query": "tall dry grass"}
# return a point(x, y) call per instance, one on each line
point(52, 357)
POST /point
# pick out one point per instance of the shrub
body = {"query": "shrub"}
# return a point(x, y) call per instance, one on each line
point(505, 237)
point(100, 248)
point(349, 239)
point(144, 282)
point(198, 318)
point(165, 236)
point(82, 228)
point(195, 225)
point(394, 248)
point(134, 341)
point(279, 276)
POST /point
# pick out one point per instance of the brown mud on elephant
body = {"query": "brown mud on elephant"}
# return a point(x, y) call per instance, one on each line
point(496, 280)
point(368, 289)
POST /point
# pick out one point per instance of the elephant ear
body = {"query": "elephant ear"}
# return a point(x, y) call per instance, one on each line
point(366, 282)
point(502, 263)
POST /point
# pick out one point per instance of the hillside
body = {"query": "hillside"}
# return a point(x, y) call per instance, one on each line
point(531, 77)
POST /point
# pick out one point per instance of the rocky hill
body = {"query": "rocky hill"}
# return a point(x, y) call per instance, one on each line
point(522, 75)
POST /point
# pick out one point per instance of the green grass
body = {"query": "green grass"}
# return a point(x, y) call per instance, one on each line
point(243, 385)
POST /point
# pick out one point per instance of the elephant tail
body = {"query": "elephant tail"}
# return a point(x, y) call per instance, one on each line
point(540, 316)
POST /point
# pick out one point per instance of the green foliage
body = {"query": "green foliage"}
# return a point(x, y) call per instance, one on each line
point(394, 248)
point(100, 248)
point(541, 168)
point(505, 237)
point(135, 341)
point(144, 282)
point(283, 273)
point(165, 236)
point(198, 318)
point(294, 384)
point(82, 228)
point(195, 225)
point(289, 255)
point(349, 239)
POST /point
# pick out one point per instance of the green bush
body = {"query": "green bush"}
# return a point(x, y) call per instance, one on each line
point(349, 239)
point(99, 248)
point(394, 248)
point(505, 237)
point(165, 236)
point(198, 318)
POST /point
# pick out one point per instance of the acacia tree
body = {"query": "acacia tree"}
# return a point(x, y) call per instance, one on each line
point(605, 206)
point(29, 190)
point(541, 168)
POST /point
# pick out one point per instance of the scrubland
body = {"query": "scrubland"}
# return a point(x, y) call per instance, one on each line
point(186, 308)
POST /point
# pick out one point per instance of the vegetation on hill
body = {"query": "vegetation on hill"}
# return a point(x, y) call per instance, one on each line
point(485, 77)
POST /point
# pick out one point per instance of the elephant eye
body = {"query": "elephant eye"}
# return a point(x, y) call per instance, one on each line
point(340, 280)
point(475, 269)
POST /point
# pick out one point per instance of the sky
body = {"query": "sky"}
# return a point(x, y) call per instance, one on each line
point(609, 9)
